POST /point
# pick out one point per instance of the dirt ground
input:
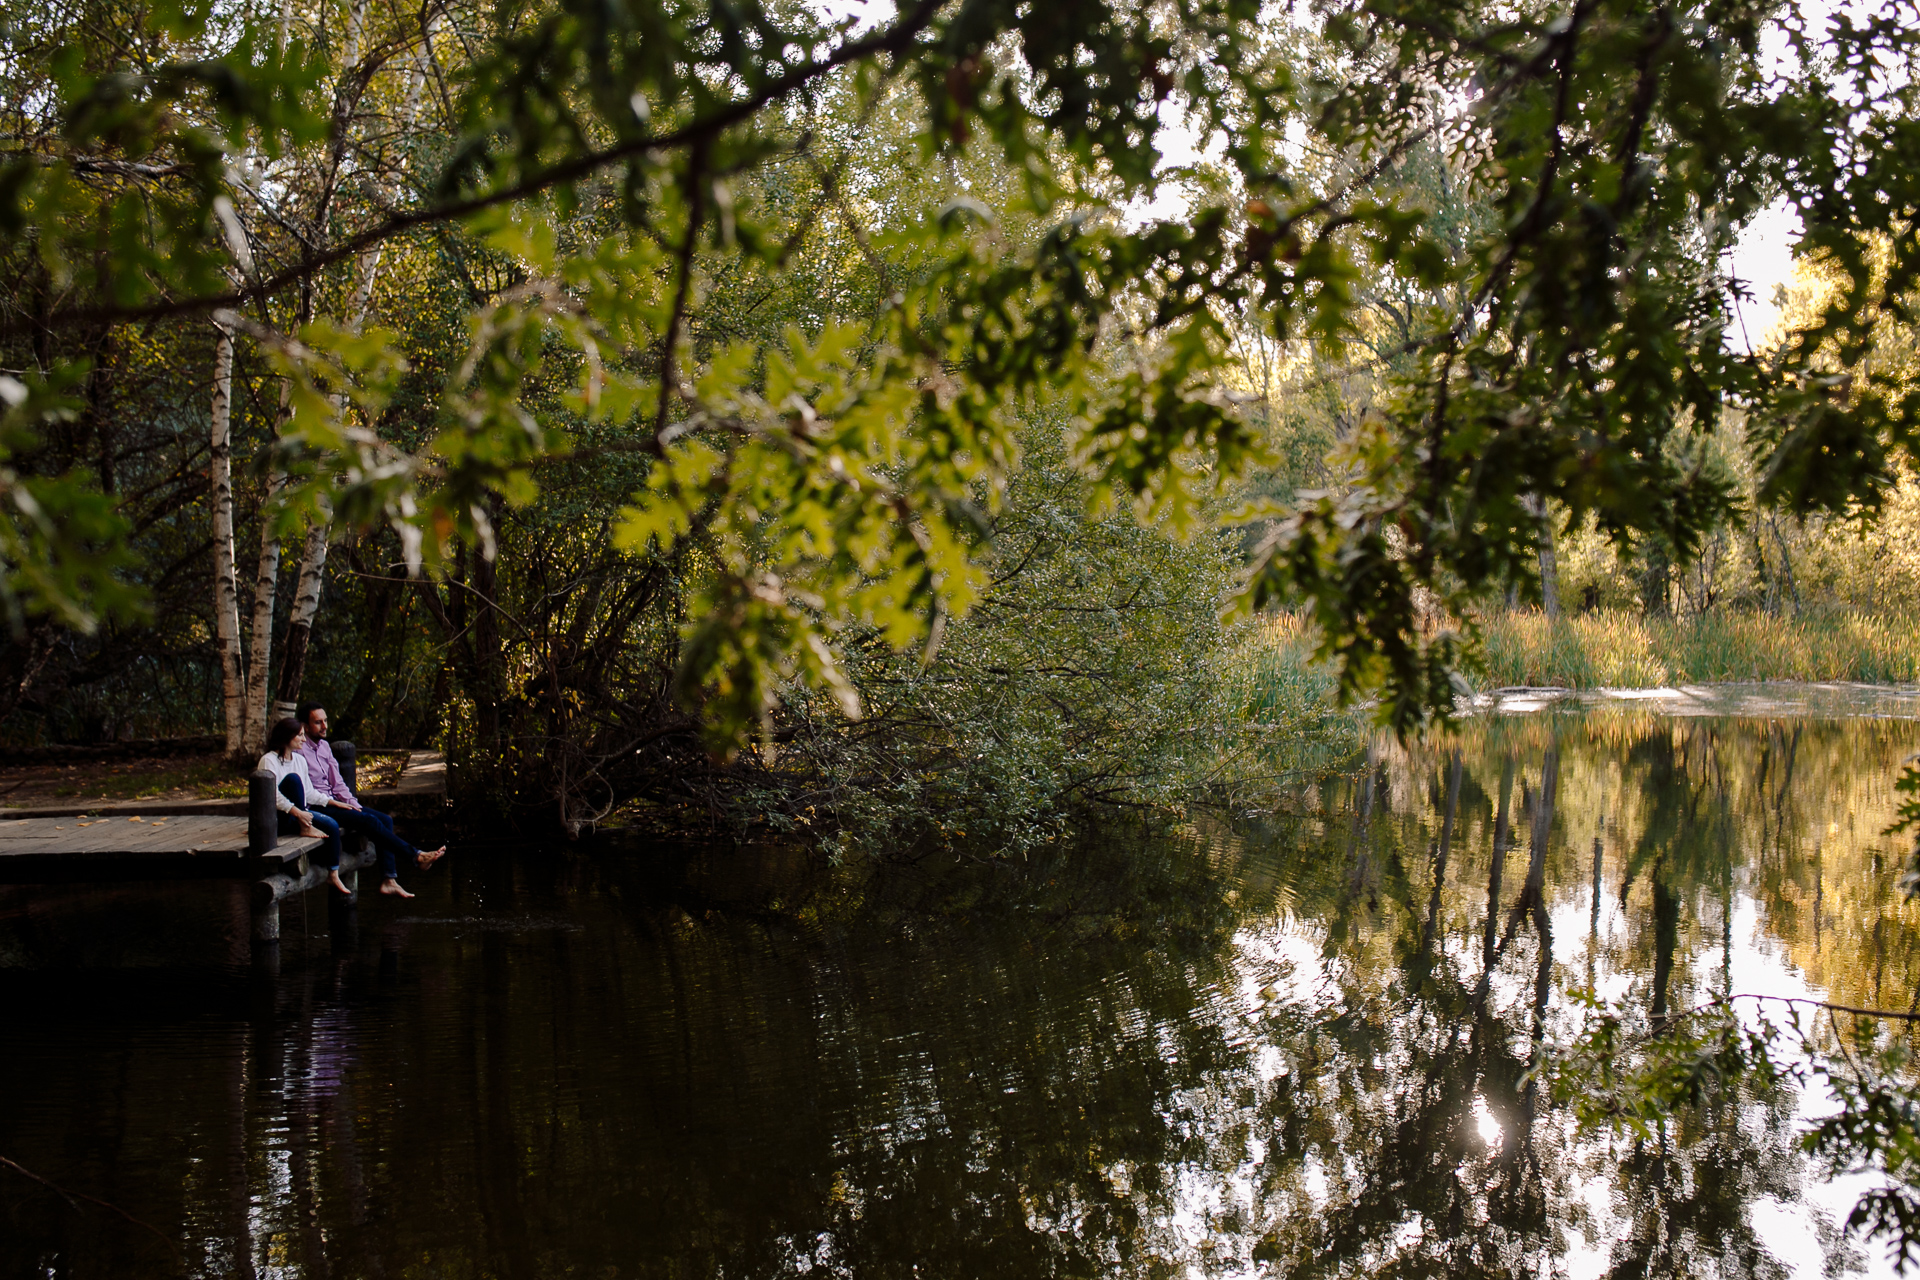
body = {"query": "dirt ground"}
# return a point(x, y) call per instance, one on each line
point(205, 777)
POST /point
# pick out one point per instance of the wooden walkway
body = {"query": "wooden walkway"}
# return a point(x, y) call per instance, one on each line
point(420, 792)
point(202, 840)
point(187, 847)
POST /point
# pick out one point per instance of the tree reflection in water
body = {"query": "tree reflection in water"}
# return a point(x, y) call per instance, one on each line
point(1303, 1044)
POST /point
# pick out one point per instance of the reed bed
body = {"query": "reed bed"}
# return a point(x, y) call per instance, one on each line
point(1268, 674)
point(1625, 650)
point(1286, 723)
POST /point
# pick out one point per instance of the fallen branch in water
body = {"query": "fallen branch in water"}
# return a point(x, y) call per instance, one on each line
point(1818, 1004)
point(74, 1197)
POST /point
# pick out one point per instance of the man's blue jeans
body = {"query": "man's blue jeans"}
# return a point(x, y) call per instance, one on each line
point(377, 827)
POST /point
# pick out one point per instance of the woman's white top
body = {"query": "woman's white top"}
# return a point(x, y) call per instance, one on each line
point(296, 764)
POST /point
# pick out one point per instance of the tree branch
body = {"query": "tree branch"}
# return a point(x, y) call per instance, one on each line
point(695, 133)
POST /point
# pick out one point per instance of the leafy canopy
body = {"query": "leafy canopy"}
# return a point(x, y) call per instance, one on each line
point(182, 161)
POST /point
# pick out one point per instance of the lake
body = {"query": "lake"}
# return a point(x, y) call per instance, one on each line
point(1288, 1036)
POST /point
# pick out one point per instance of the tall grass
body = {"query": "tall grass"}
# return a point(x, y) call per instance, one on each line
point(1269, 676)
point(1624, 650)
point(1284, 702)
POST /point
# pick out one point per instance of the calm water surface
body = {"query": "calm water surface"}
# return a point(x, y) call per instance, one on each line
point(1296, 1044)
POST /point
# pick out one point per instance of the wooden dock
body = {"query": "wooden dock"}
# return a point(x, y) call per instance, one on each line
point(420, 792)
point(213, 840)
point(65, 850)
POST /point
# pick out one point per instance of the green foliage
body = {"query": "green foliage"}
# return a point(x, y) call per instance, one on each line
point(1082, 681)
point(61, 539)
point(1287, 724)
point(1630, 144)
point(620, 162)
point(1694, 1060)
point(1877, 1131)
point(1907, 818)
point(1636, 1076)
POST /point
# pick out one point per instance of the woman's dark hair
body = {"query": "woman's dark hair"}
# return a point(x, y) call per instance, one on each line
point(283, 732)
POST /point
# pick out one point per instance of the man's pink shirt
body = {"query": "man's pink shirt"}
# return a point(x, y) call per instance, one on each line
point(328, 784)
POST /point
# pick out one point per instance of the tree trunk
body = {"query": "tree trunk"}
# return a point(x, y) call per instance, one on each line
point(1549, 570)
point(313, 562)
point(306, 603)
point(1549, 565)
point(1656, 582)
point(489, 658)
point(1786, 561)
point(226, 595)
point(265, 582)
point(356, 22)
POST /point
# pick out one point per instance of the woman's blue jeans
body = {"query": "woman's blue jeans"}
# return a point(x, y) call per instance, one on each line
point(328, 854)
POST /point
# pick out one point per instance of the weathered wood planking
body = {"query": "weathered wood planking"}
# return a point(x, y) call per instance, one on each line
point(235, 806)
point(211, 833)
point(44, 850)
point(420, 792)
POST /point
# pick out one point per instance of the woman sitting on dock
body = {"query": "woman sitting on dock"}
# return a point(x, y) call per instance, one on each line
point(289, 772)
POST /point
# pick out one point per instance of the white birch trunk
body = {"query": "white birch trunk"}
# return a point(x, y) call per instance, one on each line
point(266, 581)
point(313, 561)
point(1549, 574)
point(306, 603)
point(226, 595)
point(356, 23)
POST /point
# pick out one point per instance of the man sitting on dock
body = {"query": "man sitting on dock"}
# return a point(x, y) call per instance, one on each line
point(333, 796)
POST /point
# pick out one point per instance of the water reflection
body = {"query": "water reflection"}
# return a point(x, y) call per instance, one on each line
point(1301, 1044)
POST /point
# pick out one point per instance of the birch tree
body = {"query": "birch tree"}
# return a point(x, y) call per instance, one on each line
point(313, 560)
point(226, 596)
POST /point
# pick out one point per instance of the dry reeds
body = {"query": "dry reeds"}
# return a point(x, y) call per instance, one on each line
point(1270, 675)
point(1612, 649)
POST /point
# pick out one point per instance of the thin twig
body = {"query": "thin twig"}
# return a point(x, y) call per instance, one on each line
point(696, 217)
point(72, 1197)
point(1818, 1004)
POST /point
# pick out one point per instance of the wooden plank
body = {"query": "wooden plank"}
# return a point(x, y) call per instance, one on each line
point(75, 839)
point(122, 835)
point(187, 837)
point(27, 864)
point(103, 808)
point(422, 780)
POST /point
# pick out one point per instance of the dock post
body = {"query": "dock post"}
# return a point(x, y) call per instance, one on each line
point(348, 759)
point(263, 836)
point(263, 814)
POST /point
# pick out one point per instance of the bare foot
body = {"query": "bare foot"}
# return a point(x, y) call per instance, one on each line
point(339, 885)
point(430, 856)
point(392, 889)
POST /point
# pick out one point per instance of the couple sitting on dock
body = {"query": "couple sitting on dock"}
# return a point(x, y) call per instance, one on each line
point(315, 800)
